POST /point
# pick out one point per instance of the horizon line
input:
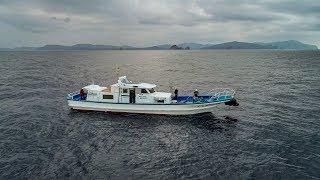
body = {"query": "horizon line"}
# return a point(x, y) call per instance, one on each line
point(148, 46)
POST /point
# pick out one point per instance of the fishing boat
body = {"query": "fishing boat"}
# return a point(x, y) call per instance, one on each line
point(127, 97)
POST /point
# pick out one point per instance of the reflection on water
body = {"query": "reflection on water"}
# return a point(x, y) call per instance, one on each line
point(203, 121)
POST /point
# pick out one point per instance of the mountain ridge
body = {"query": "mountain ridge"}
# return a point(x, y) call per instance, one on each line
point(289, 44)
point(240, 45)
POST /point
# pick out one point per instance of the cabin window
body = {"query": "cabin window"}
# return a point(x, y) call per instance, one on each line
point(151, 90)
point(107, 97)
point(125, 91)
point(144, 91)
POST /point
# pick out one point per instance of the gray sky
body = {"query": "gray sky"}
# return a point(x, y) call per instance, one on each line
point(150, 22)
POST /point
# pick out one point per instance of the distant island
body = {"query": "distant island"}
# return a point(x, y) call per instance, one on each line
point(176, 47)
point(290, 44)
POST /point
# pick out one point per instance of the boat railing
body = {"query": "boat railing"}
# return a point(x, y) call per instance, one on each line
point(189, 99)
point(71, 96)
point(214, 96)
point(221, 94)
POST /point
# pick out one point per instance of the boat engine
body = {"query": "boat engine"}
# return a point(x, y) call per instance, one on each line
point(232, 102)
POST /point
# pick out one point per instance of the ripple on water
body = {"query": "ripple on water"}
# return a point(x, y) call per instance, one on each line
point(274, 133)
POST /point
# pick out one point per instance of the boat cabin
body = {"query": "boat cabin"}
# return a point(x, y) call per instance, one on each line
point(124, 91)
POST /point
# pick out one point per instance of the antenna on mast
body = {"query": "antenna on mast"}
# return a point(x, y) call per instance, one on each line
point(118, 71)
point(171, 87)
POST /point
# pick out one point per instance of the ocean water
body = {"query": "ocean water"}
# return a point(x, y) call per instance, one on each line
point(274, 133)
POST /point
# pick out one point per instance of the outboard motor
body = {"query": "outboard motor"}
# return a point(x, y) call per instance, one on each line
point(232, 102)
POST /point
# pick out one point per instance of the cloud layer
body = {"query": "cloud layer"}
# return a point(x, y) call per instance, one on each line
point(146, 22)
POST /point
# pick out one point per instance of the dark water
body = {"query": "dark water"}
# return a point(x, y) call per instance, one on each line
point(276, 134)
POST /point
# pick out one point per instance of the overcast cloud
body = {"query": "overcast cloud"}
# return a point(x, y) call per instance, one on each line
point(148, 22)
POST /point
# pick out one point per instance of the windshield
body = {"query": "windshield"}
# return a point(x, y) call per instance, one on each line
point(151, 90)
point(144, 91)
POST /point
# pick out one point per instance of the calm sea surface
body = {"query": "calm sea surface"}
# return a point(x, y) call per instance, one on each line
point(276, 135)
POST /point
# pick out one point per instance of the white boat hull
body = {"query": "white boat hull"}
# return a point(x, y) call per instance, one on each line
point(170, 109)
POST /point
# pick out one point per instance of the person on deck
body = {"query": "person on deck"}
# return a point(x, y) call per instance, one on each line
point(195, 95)
point(175, 94)
point(82, 94)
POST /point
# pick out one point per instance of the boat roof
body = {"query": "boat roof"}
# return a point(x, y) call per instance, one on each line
point(94, 87)
point(140, 85)
point(123, 82)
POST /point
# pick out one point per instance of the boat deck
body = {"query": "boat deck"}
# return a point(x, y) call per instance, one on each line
point(204, 99)
point(180, 100)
